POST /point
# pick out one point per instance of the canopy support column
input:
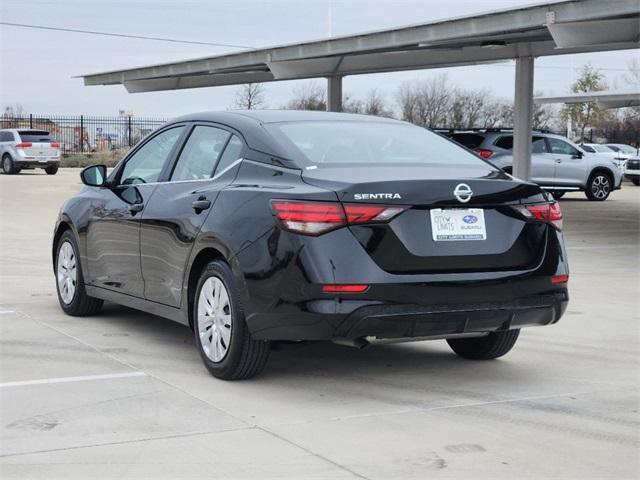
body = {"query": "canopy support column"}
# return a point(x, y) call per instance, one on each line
point(523, 118)
point(334, 93)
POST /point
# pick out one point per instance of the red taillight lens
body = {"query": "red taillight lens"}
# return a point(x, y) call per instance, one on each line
point(24, 145)
point(560, 279)
point(309, 218)
point(483, 152)
point(55, 145)
point(349, 288)
point(545, 212)
point(316, 218)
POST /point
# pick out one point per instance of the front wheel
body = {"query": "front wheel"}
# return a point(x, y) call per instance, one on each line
point(51, 170)
point(636, 181)
point(222, 336)
point(492, 346)
point(69, 282)
point(598, 187)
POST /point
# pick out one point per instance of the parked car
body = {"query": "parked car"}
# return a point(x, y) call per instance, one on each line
point(26, 148)
point(626, 150)
point(632, 170)
point(252, 227)
point(557, 164)
point(598, 149)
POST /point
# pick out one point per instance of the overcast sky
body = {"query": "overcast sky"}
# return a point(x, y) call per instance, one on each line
point(37, 66)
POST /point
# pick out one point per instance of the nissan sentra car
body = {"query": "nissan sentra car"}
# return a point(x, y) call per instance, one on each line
point(251, 227)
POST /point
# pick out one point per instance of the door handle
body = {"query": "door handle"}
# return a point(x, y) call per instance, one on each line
point(201, 204)
point(135, 208)
point(558, 160)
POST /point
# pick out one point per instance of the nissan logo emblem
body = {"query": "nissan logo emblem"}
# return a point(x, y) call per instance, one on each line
point(463, 192)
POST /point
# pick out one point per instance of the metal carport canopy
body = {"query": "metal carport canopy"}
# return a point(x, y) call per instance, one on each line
point(604, 98)
point(556, 28)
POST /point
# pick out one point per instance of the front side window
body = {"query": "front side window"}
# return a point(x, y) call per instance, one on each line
point(145, 165)
point(200, 154)
point(347, 143)
point(560, 147)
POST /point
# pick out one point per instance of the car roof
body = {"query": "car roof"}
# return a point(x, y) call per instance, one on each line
point(273, 116)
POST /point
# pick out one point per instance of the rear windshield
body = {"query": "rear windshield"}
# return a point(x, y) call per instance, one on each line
point(348, 143)
point(34, 136)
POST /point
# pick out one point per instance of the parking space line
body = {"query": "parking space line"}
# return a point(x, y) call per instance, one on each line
point(47, 381)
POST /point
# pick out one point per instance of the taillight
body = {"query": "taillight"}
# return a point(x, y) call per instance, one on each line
point(484, 152)
point(560, 279)
point(544, 212)
point(24, 145)
point(55, 145)
point(316, 218)
point(345, 288)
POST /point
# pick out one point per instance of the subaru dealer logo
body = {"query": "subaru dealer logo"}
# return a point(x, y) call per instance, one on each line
point(470, 219)
point(463, 193)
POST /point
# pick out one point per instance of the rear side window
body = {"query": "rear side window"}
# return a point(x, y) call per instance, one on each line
point(348, 143)
point(6, 137)
point(469, 140)
point(505, 142)
point(200, 154)
point(538, 144)
point(231, 153)
point(34, 136)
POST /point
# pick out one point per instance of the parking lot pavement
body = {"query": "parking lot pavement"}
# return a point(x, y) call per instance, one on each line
point(124, 394)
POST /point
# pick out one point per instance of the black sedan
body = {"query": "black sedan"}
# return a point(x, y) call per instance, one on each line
point(261, 226)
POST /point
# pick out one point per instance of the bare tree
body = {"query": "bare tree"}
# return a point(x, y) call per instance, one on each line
point(15, 110)
point(308, 96)
point(425, 102)
point(249, 96)
point(467, 108)
point(375, 104)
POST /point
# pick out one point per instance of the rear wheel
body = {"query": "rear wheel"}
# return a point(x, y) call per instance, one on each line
point(69, 282)
point(557, 195)
point(7, 165)
point(222, 336)
point(598, 187)
point(492, 346)
point(52, 170)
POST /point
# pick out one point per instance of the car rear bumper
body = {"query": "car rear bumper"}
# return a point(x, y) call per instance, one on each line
point(408, 321)
point(34, 163)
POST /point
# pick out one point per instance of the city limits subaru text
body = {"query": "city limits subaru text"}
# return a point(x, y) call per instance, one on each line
point(261, 226)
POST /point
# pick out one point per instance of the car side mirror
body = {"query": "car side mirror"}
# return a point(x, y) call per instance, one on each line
point(578, 154)
point(94, 175)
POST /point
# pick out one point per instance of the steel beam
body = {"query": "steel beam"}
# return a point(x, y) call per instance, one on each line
point(523, 118)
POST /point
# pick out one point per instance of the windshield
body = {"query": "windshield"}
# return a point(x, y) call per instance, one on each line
point(348, 143)
point(601, 148)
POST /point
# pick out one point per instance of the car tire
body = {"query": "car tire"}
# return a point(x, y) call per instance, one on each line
point(636, 181)
point(221, 332)
point(558, 195)
point(72, 295)
point(494, 345)
point(52, 170)
point(8, 167)
point(599, 186)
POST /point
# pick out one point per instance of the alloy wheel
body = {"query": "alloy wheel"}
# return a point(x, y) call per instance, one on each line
point(600, 187)
point(66, 272)
point(6, 165)
point(214, 319)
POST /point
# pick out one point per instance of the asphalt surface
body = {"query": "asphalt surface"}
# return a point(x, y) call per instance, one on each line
point(124, 394)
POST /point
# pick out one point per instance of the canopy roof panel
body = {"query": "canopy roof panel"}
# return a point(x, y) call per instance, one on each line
point(571, 26)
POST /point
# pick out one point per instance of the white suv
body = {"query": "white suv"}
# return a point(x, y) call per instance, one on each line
point(557, 164)
point(26, 148)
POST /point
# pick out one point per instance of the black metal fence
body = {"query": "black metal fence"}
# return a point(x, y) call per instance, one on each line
point(87, 134)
